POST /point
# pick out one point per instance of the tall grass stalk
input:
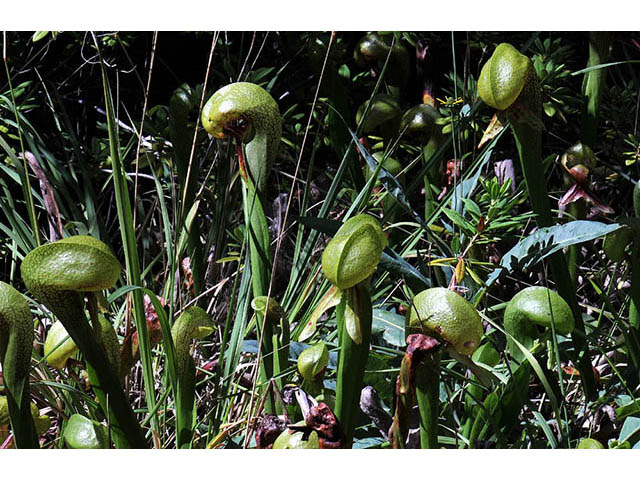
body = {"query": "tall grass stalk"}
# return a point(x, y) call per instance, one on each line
point(127, 230)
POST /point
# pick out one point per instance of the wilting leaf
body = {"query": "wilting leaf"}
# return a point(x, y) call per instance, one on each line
point(331, 299)
point(496, 125)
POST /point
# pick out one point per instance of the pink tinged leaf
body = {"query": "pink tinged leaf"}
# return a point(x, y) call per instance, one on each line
point(53, 213)
point(576, 192)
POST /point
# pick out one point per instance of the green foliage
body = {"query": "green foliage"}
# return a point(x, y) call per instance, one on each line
point(87, 150)
point(550, 58)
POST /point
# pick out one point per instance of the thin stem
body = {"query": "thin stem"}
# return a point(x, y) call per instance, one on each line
point(16, 345)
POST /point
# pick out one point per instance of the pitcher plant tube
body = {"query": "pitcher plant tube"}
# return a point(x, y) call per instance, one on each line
point(509, 84)
point(247, 113)
point(438, 319)
point(419, 124)
point(623, 245)
point(348, 260)
point(193, 323)
point(16, 344)
point(60, 275)
point(373, 50)
point(41, 422)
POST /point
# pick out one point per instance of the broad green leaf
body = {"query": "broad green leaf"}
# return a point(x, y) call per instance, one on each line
point(546, 241)
point(630, 431)
point(391, 325)
point(628, 406)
